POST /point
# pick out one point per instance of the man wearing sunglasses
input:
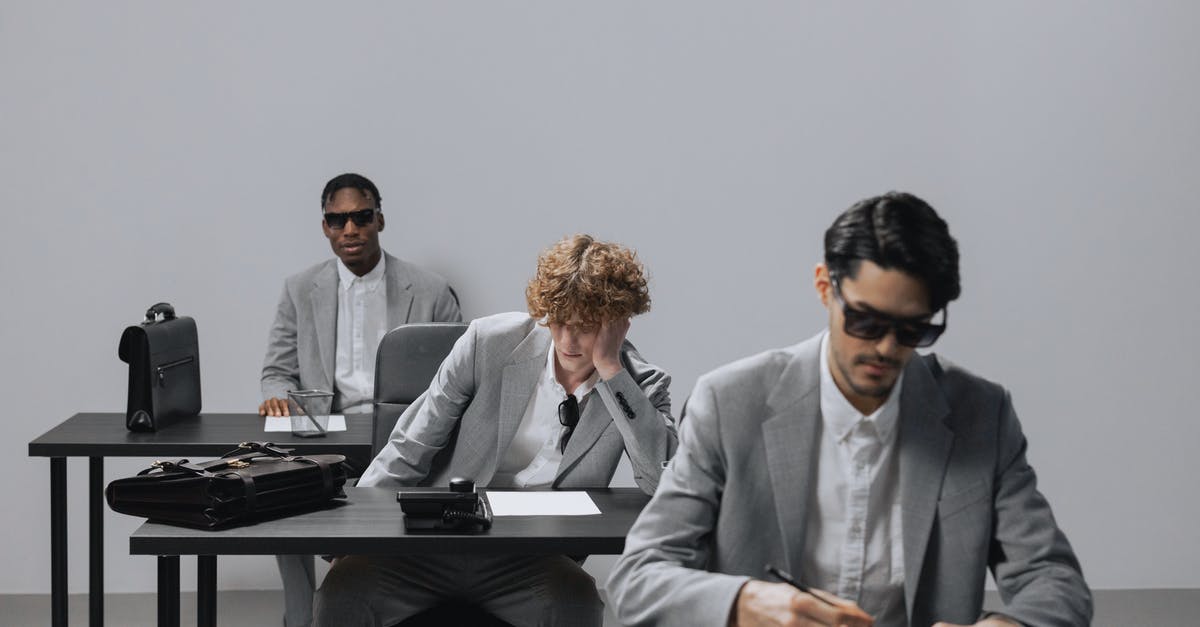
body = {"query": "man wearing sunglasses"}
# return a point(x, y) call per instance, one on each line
point(328, 325)
point(552, 398)
point(848, 480)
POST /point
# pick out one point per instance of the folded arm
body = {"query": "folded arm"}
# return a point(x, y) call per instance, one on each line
point(281, 366)
point(446, 309)
point(659, 580)
point(638, 397)
point(1037, 573)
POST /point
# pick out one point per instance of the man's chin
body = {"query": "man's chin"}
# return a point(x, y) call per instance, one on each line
point(574, 365)
point(352, 259)
point(873, 389)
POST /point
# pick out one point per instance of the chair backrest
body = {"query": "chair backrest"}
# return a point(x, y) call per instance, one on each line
point(408, 359)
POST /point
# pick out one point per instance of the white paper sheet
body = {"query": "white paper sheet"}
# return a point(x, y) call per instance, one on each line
point(550, 503)
point(337, 422)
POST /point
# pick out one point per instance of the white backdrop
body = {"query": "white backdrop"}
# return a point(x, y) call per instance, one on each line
point(161, 151)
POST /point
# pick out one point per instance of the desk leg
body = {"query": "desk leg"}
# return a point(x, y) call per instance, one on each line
point(96, 542)
point(168, 591)
point(58, 541)
point(206, 591)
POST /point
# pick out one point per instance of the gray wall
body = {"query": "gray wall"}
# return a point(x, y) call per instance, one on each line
point(159, 151)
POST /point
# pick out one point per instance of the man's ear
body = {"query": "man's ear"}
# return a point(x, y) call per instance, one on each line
point(822, 283)
point(379, 217)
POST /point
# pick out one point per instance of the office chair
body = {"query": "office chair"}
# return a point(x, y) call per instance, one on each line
point(408, 358)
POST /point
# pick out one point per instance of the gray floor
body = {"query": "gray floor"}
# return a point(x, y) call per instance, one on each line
point(1114, 608)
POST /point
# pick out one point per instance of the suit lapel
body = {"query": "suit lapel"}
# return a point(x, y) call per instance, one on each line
point(790, 437)
point(324, 311)
point(925, 443)
point(519, 382)
point(592, 423)
point(399, 292)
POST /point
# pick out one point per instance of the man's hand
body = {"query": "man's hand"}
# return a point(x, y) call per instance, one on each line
point(606, 354)
point(990, 621)
point(763, 604)
point(273, 407)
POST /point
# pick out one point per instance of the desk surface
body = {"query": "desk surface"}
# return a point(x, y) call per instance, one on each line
point(371, 523)
point(105, 435)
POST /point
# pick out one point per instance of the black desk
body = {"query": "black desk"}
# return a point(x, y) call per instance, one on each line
point(371, 523)
point(100, 435)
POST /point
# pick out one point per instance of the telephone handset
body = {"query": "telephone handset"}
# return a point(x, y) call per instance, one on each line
point(460, 509)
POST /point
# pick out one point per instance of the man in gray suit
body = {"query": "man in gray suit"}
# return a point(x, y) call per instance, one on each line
point(327, 329)
point(546, 399)
point(888, 481)
point(331, 316)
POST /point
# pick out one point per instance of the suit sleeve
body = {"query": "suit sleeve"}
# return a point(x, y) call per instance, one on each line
point(660, 578)
point(639, 401)
point(427, 425)
point(1037, 574)
point(446, 309)
point(281, 366)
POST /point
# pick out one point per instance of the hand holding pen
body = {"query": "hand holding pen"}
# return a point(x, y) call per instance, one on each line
point(792, 603)
point(785, 577)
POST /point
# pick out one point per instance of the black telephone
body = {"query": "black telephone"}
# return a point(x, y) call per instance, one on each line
point(460, 509)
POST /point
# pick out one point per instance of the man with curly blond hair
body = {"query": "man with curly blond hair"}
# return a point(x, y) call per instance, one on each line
point(551, 398)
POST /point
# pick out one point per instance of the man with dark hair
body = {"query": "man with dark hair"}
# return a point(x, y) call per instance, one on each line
point(548, 398)
point(328, 325)
point(887, 481)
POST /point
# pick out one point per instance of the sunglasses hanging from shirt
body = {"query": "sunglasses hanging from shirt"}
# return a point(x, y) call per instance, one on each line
point(568, 416)
point(362, 217)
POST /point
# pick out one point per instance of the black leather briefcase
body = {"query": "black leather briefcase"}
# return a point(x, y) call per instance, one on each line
point(164, 369)
point(255, 481)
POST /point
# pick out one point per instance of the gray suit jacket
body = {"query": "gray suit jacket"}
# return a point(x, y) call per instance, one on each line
point(462, 425)
point(302, 347)
point(736, 496)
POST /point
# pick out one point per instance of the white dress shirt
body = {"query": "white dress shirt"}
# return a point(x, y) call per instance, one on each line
point(853, 545)
point(361, 324)
point(532, 458)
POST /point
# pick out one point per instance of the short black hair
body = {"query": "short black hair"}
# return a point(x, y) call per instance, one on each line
point(350, 179)
point(896, 231)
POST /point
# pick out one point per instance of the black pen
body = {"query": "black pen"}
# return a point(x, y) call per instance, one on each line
point(783, 576)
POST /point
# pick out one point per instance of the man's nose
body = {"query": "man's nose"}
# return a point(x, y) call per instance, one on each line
point(350, 227)
point(887, 345)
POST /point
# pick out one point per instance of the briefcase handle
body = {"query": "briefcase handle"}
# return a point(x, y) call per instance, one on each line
point(167, 311)
point(268, 448)
point(182, 465)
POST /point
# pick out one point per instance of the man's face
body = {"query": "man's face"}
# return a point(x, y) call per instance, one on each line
point(573, 344)
point(866, 370)
point(357, 246)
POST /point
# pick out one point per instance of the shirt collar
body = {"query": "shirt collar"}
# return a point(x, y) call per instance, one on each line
point(841, 417)
point(581, 391)
point(370, 280)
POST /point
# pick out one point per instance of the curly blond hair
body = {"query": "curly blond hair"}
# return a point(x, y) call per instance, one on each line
point(593, 282)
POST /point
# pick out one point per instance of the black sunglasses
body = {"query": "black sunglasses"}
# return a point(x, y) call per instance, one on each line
point(568, 416)
point(870, 325)
point(362, 217)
